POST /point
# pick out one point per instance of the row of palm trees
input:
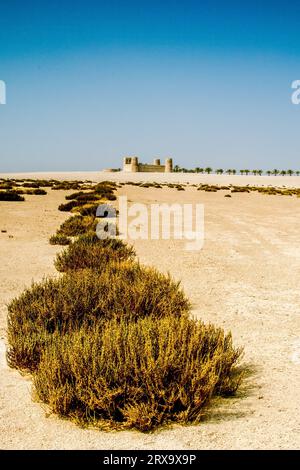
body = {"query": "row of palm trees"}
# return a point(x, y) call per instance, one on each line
point(220, 171)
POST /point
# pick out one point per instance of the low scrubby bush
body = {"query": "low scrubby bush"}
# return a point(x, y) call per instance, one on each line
point(68, 206)
point(39, 192)
point(87, 197)
point(96, 255)
point(7, 185)
point(83, 298)
point(69, 197)
point(89, 237)
point(77, 225)
point(240, 189)
point(109, 197)
point(59, 240)
point(30, 184)
point(88, 209)
point(10, 196)
point(31, 191)
point(66, 185)
point(105, 190)
point(139, 374)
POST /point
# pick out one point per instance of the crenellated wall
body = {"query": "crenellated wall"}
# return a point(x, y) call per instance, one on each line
point(132, 165)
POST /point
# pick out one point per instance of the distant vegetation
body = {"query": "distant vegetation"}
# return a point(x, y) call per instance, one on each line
point(221, 171)
point(268, 190)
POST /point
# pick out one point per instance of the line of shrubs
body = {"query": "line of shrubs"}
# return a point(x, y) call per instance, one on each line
point(34, 186)
point(110, 343)
point(268, 190)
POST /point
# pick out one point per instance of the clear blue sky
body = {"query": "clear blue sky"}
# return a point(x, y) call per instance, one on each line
point(207, 82)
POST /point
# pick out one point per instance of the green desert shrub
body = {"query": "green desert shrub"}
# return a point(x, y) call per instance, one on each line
point(69, 197)
point(82, 254)
point(10, 196)
point(88, 209)
point(66, 185)
point(110, 197)
point(208, 188)
point(68, 206)
point(7, 185)
point(240, 189)
point(87, 197)
point(77, 225)
point(91, 237)
point(31, 184)
point(39, 192)
point(46, 183)
point(31, 191)
point(106, 190)
point(88, 238)
point(106, 185)
point(83, 298)
point(139, 374)
point(26, 346)
point(59, 240)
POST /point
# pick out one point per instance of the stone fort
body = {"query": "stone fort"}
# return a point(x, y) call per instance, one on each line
point(132, 165)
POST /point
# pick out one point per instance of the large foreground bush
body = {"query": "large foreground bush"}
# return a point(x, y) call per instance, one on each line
point(137, 374)
point(83, 298)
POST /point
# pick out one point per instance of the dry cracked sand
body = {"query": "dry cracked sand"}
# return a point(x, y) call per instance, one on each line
point(245, 279)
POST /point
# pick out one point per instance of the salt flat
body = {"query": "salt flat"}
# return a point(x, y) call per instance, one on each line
point(197, 178)
point(245, 279)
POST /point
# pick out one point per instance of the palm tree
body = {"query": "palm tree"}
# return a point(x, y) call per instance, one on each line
point(233, 172)
point(208, 170)
point(283, 172)
point(176, 168)
point(259, 172)
point(229, 171)
point(197, 169)
point(242, 172)
point(290, 172)
point(247, 172)
point(275, 172)
point(254, 172)
point(269, 173)
point(219, 171)
point(297, 172)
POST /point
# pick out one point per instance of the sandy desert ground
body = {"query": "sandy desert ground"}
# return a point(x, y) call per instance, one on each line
point(245, 279)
